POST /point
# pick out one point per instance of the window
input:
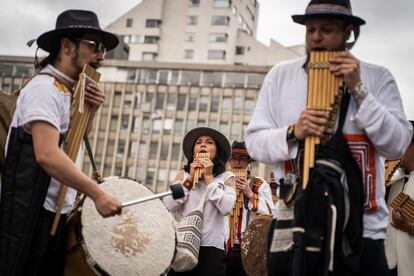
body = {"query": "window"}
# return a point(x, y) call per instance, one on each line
point(148, 56)
point(152, 23)
point(216, 54)
point(194, 3)
point(239, 50)
point(220, 20)
point(192, 20)
point(171, 102)
point(175, 151)
point(181, 101)
point(218, 37)
point(204, 101)
point(129, 22)
point(188, 54)
point(221, 3)
point(227, 104)
point(192, 106)
point(189, 37)
point(178, 127)
point(151, 39)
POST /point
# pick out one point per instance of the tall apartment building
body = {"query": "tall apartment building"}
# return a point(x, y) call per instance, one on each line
point(150, 106)
point(197, 31)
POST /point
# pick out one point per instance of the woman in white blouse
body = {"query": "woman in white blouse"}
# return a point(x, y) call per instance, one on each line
point(220, 196)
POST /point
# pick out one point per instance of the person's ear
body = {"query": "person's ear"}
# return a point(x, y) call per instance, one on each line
point(66, 45)
point(349, 31)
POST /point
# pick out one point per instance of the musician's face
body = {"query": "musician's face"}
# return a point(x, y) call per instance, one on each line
point(205, 144)
point(326, 35)
point(88, 52)
point(239, 162)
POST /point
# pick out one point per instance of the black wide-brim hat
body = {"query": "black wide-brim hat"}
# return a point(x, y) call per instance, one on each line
point(191, 137)
point(338, 9)
point(73, 21)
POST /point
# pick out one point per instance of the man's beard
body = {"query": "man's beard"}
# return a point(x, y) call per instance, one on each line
point(77, 64)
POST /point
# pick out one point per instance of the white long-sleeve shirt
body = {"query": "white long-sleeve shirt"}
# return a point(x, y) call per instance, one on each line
point(378, 129)
point(264, 205)
point(220, 199)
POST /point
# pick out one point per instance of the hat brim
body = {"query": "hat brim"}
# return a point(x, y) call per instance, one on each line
point(48, 41)
point(191, 137)
point(302, 18)
point(243, 155)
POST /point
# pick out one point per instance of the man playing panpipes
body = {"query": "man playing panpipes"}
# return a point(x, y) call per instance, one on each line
point(375, 127)
point(35, 162)
point(399, 245)
point(257, 199)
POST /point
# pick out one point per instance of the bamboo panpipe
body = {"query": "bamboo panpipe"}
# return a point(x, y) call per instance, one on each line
point(406, 204)
point(323, 90)
point(199, 171)
point(391, 167)
point(235, 213)
point(79, 117)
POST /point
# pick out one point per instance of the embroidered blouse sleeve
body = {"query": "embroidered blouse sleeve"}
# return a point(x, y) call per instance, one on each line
point(174, 204)
point(222, 194)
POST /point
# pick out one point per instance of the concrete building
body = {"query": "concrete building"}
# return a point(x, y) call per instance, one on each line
point(150, 106)
point(197, 31)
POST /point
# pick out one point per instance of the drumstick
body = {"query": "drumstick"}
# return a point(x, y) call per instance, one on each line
point(176, 190)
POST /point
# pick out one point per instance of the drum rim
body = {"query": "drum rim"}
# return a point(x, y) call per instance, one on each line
point(94, 265)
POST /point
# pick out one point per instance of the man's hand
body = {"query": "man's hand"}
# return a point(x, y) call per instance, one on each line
point(400, 221)
point(94, 96)
point(311, 122)
point(243, 185)
point(107, 205)
point(345, 65)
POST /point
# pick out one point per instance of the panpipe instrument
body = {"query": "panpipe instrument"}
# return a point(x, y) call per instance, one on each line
point(79, 118)
point(391, 167)
point(236, 212)
point(324, 93)
point(406, 204)
point(198, 173)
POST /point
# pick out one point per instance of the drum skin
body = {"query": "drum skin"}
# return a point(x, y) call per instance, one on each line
point(140, 241)
point(254, 246)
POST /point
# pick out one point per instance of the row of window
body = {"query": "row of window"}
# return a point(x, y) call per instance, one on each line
point(215, 20)
point(140, 39)
point(213, 37)
point(216, 3)
point(149, 23)
point(182, 77)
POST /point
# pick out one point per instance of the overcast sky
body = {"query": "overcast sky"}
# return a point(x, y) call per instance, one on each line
point(387, 38)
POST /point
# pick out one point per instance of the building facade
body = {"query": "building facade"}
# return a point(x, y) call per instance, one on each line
point(198, 31)
point(150, 106)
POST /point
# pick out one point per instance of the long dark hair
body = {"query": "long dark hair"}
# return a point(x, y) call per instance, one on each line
point(50, 59)
point(219, 161)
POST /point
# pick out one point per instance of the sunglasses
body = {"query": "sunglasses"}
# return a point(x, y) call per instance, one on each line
point(97, 46)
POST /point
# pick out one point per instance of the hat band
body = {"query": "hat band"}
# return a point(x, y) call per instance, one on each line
point(327, 9)
point(241, 151)
point(82, 27)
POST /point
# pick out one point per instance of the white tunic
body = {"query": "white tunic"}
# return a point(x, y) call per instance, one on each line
point(399, 245)
point(378, 129)
point(220, 199)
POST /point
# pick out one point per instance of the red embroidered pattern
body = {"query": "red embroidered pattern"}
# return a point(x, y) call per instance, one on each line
point(364, 154)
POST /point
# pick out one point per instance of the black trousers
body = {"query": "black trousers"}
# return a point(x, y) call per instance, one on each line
point(46, 254)
point(211, 262)
point(373, 259)
point(234, 263)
